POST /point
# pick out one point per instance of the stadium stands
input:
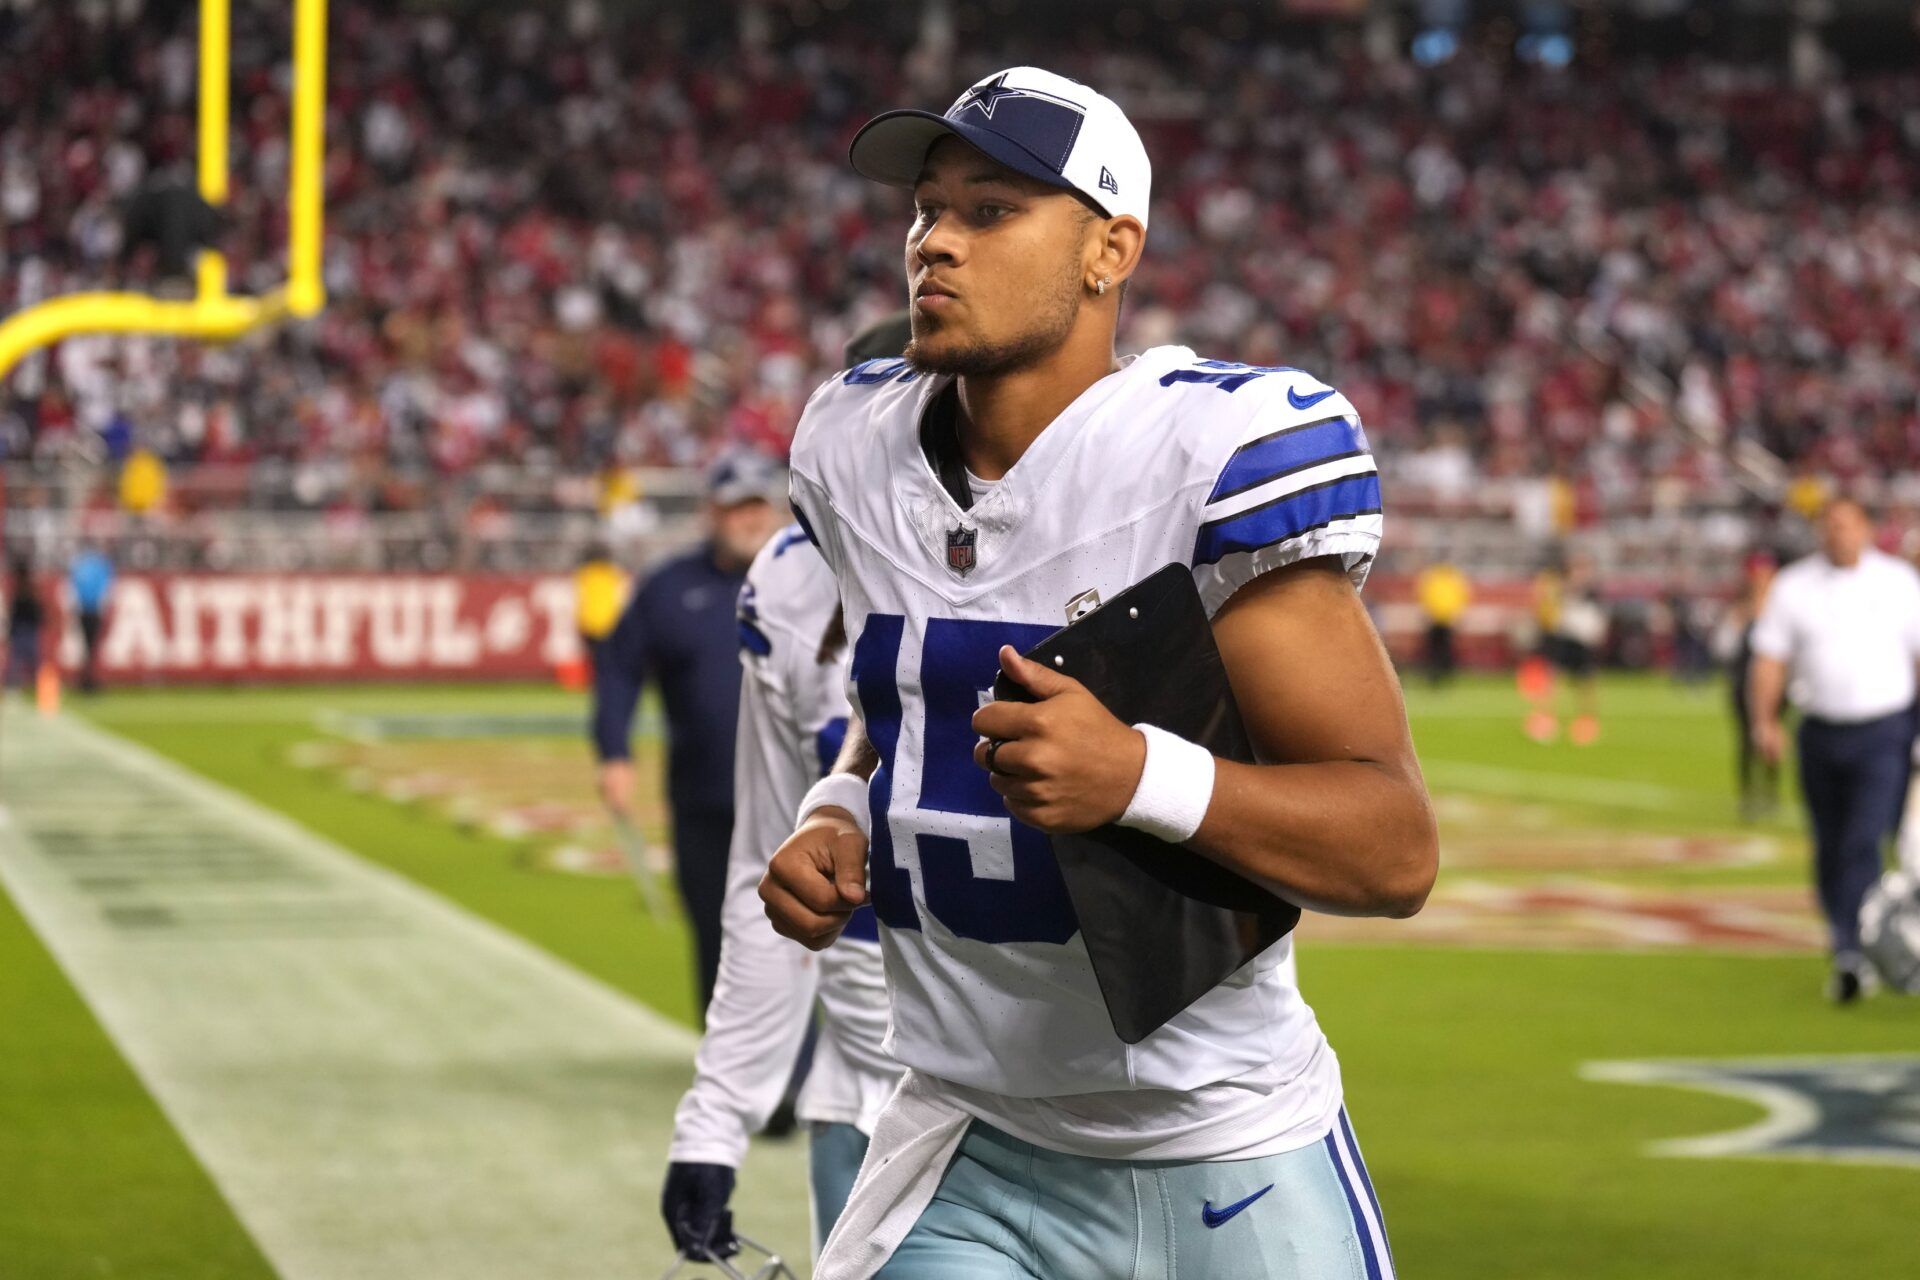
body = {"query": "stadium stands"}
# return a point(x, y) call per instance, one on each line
point(555, 246)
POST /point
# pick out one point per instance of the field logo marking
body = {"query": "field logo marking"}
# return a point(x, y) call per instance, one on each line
point(1855, 1109)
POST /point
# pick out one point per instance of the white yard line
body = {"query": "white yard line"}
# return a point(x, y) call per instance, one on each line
point(1527, 784)
point(381, 1084)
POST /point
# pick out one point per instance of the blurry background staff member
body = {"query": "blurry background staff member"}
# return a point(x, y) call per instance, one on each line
point(1692, 656)
point(90, 577)
point(1444, 594)
point(25, 620)
point(1757, 776)
point(680, 633)
point(599, 594)
point(1573, 627)
point(1841, 628)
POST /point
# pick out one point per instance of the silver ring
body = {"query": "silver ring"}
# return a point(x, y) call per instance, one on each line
point(993, 748)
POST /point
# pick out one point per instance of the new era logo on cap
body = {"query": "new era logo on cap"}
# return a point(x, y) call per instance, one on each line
point(1046, 126)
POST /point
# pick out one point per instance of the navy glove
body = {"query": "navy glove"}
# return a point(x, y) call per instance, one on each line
point(694, 1203)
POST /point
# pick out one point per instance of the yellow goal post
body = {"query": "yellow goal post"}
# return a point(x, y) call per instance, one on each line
point(213, 313)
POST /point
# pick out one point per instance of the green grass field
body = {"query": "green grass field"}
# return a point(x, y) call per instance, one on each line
point(1493, 1156)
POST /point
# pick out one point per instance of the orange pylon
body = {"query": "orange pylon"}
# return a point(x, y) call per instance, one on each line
point(46, 689)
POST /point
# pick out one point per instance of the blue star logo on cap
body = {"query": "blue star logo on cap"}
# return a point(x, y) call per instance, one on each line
point(1041, 124)
point(986, 96)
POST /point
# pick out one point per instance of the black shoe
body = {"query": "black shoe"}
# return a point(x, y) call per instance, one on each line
point(1843, 986)
point(1848, 980)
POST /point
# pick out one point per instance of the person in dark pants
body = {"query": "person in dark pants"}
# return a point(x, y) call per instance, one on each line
point(1842, 627)
point(1757, 777)
point(679, 632)
point(26, 618)
point(1444, 594)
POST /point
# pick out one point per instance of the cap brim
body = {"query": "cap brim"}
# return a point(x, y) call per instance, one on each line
point(740, 495)
point(892, 148)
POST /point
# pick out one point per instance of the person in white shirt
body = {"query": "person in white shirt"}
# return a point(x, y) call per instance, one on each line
point(793, 713)
point(1840, 632)
point(793, 717)
point(967, 498)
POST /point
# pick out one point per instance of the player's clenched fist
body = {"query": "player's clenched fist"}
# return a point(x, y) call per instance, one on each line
point(817, 878)
point(1063, 763)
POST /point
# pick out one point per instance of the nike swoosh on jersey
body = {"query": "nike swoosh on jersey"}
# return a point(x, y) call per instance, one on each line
point(1214, 1217)
point(1299, 401)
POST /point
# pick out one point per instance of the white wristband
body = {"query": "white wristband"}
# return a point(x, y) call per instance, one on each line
point(1176, 785)
point(845, 790)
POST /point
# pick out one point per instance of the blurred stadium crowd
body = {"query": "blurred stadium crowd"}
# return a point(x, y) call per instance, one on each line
point(557, 244)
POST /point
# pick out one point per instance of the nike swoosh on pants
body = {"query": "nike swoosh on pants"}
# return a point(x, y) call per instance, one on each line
point(1214, 1217)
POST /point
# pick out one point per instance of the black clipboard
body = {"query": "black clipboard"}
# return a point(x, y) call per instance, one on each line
point(1162, 924)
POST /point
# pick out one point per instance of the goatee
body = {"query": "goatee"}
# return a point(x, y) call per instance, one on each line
point(1055, 311)
point(983, 359)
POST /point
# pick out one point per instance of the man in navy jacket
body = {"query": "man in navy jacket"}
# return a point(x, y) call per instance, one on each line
point(680, 632)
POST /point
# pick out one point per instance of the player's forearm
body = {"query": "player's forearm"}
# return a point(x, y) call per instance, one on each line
point(1345, 837)
point(1766, 688)
point(858, 758)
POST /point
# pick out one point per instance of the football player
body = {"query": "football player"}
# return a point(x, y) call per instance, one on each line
point(966, 498)
point(793, 716)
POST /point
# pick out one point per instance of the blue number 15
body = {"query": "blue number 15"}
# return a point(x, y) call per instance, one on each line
point(958, 662)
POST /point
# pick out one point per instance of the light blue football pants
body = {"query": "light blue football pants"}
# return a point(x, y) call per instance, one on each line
point(834, 1153)
point(1008, 1210)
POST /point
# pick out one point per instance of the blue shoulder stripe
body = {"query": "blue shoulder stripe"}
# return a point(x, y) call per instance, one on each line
point(1286, 450)
point(1288, 517)
point(754, 640)
point(747, 613)
point(791, 536)
point(871, 372)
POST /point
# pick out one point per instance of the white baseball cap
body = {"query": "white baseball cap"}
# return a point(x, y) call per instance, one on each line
point(1046, 126)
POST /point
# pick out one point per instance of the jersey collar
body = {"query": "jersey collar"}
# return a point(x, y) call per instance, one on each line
point(994, 521)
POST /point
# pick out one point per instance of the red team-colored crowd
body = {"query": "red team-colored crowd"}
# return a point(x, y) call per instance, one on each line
point(564, 247)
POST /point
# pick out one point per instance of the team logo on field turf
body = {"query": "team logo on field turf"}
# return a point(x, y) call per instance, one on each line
point(1862, 1110)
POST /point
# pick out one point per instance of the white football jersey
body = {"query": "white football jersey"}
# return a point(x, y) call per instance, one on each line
point(793, 715)
point(1231, 469)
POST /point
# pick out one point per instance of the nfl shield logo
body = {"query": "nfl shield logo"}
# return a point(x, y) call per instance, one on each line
point(960, 542)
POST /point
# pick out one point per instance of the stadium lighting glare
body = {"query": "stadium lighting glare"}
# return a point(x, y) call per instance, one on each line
point(1553, 50)
point(213, 313)
point(1431, 48)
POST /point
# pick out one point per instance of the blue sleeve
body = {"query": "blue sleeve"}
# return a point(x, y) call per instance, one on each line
point(618, 679)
